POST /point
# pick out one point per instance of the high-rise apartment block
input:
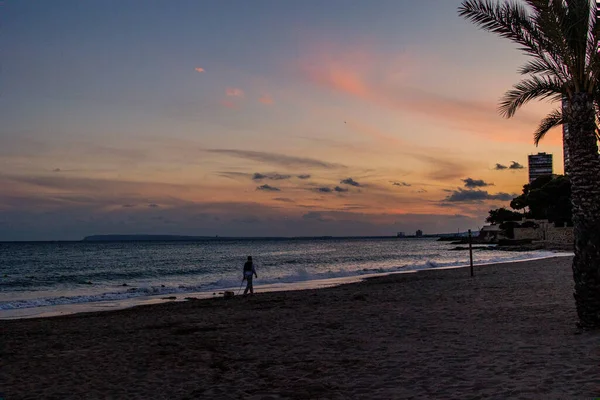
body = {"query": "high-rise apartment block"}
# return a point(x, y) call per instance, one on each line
point(540, 164)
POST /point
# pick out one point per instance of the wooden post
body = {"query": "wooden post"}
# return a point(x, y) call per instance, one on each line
point(471, 252)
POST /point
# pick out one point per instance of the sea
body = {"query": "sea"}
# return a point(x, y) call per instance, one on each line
point(40, 279)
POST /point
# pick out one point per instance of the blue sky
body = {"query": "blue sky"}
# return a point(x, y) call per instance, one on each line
point(109, 127)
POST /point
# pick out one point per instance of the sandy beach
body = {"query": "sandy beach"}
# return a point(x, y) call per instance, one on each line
point(509, 332)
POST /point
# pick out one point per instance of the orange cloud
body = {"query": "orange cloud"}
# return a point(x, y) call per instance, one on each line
point(346, 81)
point(266, 99)
point(361, 76)
point(199, 69)
point(341, 71)
point(234, 92)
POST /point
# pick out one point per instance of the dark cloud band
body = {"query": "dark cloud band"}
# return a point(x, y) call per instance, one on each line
point(462, 195)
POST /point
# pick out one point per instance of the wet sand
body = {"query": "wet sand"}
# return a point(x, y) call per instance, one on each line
point(509, 332)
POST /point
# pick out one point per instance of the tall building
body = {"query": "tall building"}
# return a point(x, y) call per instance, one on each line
point(540, 164)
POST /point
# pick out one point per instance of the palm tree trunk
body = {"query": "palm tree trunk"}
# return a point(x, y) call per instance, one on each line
point(584, 174)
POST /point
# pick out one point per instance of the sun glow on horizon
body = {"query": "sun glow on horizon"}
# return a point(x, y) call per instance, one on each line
point(313, 130)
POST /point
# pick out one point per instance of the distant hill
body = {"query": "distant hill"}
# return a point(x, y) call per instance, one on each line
point(131, 238)
point(164, 238)
point(179, 238)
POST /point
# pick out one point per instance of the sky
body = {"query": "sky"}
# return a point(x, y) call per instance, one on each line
point(255, 118)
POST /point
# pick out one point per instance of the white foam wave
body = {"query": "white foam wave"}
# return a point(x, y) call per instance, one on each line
point(108, 296)
point(298, 274)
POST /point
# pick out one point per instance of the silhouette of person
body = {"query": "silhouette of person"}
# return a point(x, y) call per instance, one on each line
point(249, 272)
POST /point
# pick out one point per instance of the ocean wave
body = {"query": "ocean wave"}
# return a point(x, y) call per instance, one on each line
point(129, 293)
point(297, 274)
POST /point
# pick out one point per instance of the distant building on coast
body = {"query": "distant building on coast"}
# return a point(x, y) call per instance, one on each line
point(540, 164)
point(419, 233)
point(400, 234)
point(491, 233)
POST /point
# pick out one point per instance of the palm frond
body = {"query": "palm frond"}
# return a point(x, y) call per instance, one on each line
point(552, 20)
point(575, 28)
point(537, 66)
point(514, 22)
point(593, 54)
point(552, 120)
point(534, 87)
point(571, 26)
point(593, 62)
point(495, 18)
point(510, 21)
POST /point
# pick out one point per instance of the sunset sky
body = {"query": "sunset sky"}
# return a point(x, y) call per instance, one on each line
point(255, 118)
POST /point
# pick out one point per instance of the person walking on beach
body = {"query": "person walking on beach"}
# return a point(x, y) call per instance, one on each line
point(249, 271)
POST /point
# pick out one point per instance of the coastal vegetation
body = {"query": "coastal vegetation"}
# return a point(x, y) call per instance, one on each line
point(546, 198)
point(561, 40)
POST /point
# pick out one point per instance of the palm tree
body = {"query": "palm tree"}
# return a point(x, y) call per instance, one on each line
point(555, 118)
point(561, 39)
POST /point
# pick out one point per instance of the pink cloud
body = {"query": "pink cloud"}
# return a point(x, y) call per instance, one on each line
point(383, 81)
point(228, 104)
point(234, 92)
point(266, 99)
point(339, 70)
point(199, 69)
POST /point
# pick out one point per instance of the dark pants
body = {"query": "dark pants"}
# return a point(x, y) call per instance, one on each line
point(249, 285)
